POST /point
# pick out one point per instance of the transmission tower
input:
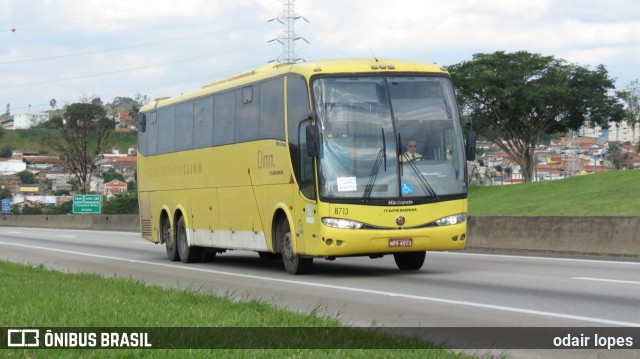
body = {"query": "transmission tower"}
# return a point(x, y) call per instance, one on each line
point(288, 36)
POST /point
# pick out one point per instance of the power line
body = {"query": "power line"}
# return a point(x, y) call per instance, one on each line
point(240, 49)
point(243, 28)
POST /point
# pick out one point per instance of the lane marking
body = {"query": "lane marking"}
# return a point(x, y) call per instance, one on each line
point(581, 260)
point(351, 289)
point(607, 280)
point(65, 236)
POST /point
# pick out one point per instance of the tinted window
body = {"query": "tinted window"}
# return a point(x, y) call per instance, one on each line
point(184, 126)
point(297, 105)
point(297, 110)
point(152, 133)
point(166, 122)
point(203, 122)
point(247, 114)
point(224, 117)
point(272, 109)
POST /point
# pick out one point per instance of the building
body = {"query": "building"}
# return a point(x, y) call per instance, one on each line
point(10, 166)
point(619, 132)
point(114, 187)
point(28, 120)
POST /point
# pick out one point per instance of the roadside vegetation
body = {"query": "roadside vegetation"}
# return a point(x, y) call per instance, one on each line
point(37, 297)
point(606, 194)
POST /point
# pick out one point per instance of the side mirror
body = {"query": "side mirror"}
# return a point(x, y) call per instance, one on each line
point(470, 144)
point(142, 122)
point(465, 120)
point(313, 146)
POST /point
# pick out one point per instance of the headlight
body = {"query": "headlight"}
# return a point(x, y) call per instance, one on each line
point(451, 220)
point(341, 223)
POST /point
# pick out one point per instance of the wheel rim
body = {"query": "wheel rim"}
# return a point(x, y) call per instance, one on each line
point(168, 240)
point(182, 241)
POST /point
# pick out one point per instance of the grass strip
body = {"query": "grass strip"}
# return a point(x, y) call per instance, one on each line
point(33, 296)
point(605, 194)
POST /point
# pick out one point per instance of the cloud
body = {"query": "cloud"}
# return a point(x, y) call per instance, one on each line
point(219, 37)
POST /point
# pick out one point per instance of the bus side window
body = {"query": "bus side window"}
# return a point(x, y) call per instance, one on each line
point(297, 113)
point(203, 122)
point(272, 109)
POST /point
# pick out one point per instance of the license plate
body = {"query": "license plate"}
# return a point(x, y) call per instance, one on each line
point(400, 242)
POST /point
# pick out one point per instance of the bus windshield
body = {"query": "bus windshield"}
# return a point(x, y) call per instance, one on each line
point(389, 137)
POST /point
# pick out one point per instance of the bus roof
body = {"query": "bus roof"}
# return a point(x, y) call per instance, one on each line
point(307, 69)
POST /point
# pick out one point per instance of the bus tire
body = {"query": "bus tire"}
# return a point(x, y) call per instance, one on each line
point(169, 241)
point(410, 260)
point(293, 263)
point(187, 254)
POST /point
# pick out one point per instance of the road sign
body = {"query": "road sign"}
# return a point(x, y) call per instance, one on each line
point(6, 205)
point(87, 203)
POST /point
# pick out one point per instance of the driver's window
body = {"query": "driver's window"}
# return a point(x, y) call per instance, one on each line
point(307, 179)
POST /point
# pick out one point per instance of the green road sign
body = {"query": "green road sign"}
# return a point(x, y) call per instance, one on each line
point(87, 203)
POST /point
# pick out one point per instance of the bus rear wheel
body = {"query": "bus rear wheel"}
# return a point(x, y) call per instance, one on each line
point(410, 260)
point(187, 254)
point(293, 262)
point(169, 241)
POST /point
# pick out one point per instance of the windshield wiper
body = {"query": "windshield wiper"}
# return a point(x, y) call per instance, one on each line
point(426, 187)
point(382, 157)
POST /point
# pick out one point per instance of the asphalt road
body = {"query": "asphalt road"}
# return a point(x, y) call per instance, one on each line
point(452, 289)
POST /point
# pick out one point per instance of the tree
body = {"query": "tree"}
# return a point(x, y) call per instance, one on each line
point(5, 192)
point(125, 203)
point(27, 177)
point(111, 174)
point(514, 98)
point(86, 135)
point(615, 155)
point(53, 103)
point(8, 112)
point(6, 152)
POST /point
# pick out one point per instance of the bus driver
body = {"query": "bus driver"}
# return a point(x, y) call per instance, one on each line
point(411, 154)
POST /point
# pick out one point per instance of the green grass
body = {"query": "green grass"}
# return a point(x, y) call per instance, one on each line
point(37, 297)
point(614, 193)
point(31, 140)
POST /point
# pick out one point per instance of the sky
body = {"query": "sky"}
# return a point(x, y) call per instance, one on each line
point(70, 50)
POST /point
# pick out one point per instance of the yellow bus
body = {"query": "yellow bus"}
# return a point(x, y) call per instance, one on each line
point(310, 160)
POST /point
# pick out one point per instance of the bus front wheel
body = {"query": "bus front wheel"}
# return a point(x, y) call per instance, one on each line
point(169, 241)
point(410, 260)
point(293, 262)
point(187, 254)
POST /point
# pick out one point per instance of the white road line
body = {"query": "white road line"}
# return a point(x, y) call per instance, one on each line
point(536, 257)
point(65, 236)
point(607, 280)
point(350, 289)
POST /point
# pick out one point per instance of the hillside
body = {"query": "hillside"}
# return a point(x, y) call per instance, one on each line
point(31, 140)
point(607, 194)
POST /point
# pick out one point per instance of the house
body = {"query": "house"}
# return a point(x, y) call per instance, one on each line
point(28, 120)
point(113, 187)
